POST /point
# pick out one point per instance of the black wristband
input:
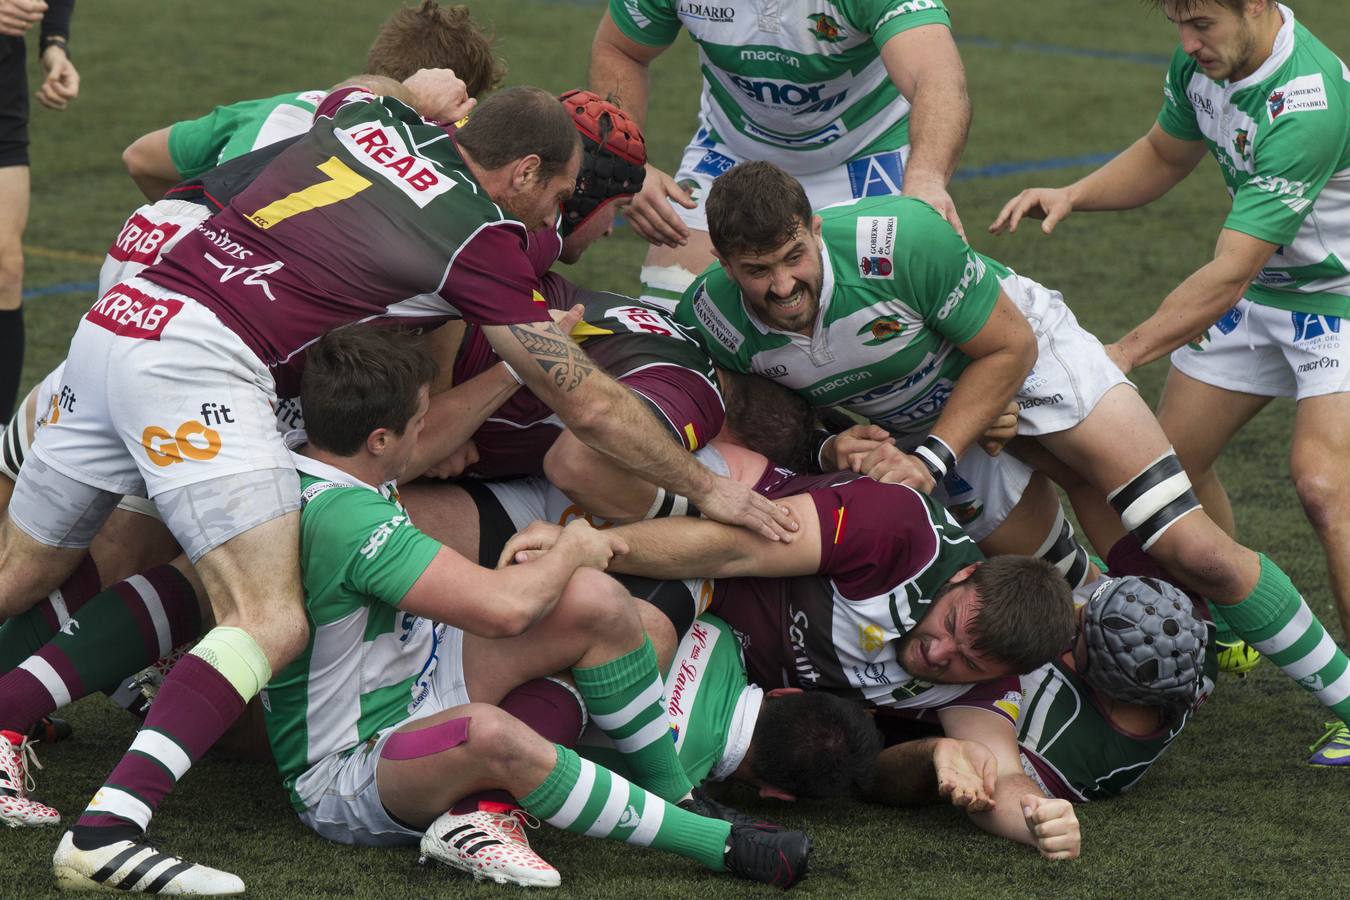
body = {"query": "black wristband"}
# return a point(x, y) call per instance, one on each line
point(934, 453)
point(821, 438)
point(54, 40)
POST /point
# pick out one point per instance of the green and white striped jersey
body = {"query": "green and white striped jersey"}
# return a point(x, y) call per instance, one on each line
point(367, 665)
point(1282, 139)
point(797, 82)
point(196, 145)
point(711, 705)
point(1069, 745)
point(901, 290)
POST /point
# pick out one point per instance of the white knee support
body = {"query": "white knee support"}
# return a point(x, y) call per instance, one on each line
point(1150, 502)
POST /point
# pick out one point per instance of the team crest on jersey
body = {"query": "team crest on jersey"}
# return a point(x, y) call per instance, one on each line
point(1304, 93)
point(875, 244)
point(1010, 705)
point(882, 330)
point(871, 638)
point(1240, 141)
point(825, 28)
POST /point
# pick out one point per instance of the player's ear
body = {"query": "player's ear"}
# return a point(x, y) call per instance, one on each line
point(526, 170)
point(377, 441)
point(769, 790)
point(963, 574)
point(816, 222)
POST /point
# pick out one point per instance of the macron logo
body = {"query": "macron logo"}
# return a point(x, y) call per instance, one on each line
point(383, 150)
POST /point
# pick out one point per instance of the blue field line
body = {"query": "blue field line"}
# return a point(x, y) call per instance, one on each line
point(998, 170)
point(1152, 59)
point(68, 287)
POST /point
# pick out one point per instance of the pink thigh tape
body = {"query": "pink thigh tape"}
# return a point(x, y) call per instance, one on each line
point(426, 741)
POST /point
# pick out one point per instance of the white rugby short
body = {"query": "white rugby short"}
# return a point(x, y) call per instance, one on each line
point(341, 788)
point(983, 490)
point(146, 236)
point(1256, 349)
point(867, 175)
point(178, 401)
point(1072, 371)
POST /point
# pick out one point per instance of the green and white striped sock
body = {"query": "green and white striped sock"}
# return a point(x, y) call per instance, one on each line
point(1274, 619)
point(584, 798)
point(624, 698)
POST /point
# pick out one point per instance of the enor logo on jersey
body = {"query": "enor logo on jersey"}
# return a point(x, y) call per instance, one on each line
point(141, 240)
point(384, 151)
point(1304, 93)
point(130, 313)
point(875, 244)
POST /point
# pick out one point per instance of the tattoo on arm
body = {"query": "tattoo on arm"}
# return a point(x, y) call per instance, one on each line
point(563, 360)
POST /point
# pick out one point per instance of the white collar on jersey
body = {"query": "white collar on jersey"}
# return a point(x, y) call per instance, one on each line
point(742, 729)
point(319, 469)
point(1279, 53)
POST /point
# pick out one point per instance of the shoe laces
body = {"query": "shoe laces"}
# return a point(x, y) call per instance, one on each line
point(1337, 732)
point(28, 761)
point(513, 824)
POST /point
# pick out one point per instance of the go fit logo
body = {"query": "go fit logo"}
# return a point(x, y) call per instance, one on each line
point(192, 440)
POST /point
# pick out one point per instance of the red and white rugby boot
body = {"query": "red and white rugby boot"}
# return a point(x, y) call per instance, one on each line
point(17, 809)
point(487, 845)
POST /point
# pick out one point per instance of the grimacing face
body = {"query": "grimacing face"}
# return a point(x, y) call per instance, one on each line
point(1223, 42)
point(782, 287)
point(940, 648)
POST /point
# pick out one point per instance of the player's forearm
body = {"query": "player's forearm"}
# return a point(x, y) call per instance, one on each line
point(621, 428)
point(981, 394)
point(905, 775)
point(613, 73)
point(675, 548)
point(150, 165)
point(1136, 177)
point(1006, 818)
point(455, 414)
point(939, 122)
point(1195, 304)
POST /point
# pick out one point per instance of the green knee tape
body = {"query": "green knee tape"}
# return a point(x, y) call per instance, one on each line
point(234, 654)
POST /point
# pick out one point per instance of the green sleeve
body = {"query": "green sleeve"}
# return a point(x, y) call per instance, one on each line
point(1293, 158)
point(1177, 117)
point(195, 145)
point(655, 23)
point(884, 19)
point(953, 287)
point(368, 540)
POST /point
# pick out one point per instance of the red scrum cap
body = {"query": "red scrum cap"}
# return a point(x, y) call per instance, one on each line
point(614, 156)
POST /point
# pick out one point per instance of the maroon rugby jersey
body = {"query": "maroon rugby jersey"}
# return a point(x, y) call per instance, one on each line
point(661, 362)
point(372, 215)
point(885, 551)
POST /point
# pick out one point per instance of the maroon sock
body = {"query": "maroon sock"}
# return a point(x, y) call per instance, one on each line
point(548, 707)
point(193, 708)
point(115, 634)
point(77, 590)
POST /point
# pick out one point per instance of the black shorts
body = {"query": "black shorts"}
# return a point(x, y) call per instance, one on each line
point(13, 102)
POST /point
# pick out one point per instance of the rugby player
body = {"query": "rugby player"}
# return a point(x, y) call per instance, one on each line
point(242, 297)
point(881, 598)
point(798, 298)
point(1253, 87)
point(427, 36)
point(856, 99)
point(1091, 722)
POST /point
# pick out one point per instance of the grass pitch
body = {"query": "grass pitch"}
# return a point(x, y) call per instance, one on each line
point(1230, 811)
